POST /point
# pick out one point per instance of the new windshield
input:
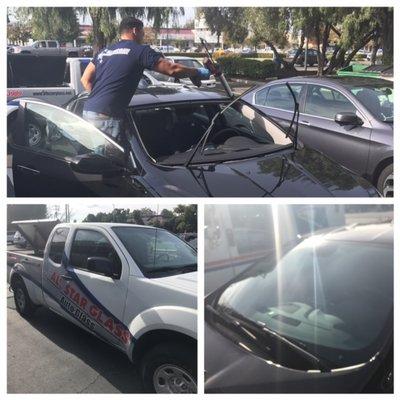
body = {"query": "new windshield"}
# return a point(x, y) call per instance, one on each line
point(377, 99)
point(157, 251)
point(170, 133)
point(334, 298)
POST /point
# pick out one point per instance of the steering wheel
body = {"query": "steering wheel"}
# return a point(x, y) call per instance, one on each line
point(228, 133)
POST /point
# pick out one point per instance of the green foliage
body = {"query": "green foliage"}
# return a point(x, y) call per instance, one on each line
point(19, 32)
point(182, 219)
point(57, 23)
point(233, 65)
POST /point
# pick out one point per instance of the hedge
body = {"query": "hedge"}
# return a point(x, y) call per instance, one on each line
point(247, 55)
point(253, 69)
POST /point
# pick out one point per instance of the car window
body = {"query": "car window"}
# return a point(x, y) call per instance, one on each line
point(52, 44)
point(57, 245)
point(326, 102)
point(61, 133)
point(278, 96)
point(89, 243)
point(377, 99)
point(189, 63)
point(157, 250)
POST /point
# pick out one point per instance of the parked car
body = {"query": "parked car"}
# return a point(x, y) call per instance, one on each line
point(379, 54)
point(349, 119)
point(312, 58)
point(49, 47)
point(10, 237)
point(19, 240)
point(317, 320)
point(175, 145)
point(135, 287)
point(192, 63)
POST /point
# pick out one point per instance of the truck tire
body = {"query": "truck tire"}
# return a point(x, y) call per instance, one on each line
point(170, 368)
point(23, 302)
point(385, 181)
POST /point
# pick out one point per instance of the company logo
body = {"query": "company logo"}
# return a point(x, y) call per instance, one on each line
point(117, 52)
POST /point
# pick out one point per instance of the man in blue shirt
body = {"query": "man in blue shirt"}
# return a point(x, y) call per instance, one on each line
point(114, 73)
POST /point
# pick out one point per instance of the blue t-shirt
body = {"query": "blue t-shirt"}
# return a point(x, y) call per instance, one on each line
point(119, 68)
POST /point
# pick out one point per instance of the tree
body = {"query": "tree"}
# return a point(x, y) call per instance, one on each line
point(186, 220)
point(57, 23)
point(18, 32)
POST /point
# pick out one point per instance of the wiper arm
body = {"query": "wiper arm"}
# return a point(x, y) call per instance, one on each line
point(314, 359)
point(205, 135)
point(296, 114)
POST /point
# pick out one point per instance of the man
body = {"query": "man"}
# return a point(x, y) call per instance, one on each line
point(113, 75)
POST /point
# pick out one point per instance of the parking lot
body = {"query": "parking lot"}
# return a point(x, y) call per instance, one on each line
point(50, 355)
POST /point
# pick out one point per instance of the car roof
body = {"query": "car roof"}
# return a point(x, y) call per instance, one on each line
point(105, 225)
point(364, 233)
point(342, 80)
point(159, 95)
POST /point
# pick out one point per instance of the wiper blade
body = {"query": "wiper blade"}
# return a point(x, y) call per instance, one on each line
point(296, 115)
point(205, 135)
point(300, 350)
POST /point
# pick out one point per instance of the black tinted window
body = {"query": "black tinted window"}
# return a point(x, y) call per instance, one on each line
point(279, 96)
point(88, 243)
point(57, 245)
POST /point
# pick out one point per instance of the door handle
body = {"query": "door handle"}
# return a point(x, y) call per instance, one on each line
point(67, 277)
point(305, 123)
point(31, 170)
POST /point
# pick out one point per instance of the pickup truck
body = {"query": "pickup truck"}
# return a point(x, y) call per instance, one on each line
point(133, 286)
point(55, 79)
point(49, 47)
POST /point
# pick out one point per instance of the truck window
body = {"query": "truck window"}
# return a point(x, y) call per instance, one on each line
point(88, 243)
point(52, 43)
point(57, 245)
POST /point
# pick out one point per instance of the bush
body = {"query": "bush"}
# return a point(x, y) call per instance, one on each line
point(235, 65)
point(192, 55)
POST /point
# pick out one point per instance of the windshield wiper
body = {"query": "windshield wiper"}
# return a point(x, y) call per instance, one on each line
point(205, 135)
point(187, 268)
point(232, 317)
point(296, 114)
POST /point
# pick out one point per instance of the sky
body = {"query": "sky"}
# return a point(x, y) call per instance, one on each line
point(79, 212)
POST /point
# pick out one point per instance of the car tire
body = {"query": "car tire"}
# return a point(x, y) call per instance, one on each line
point(23, 302)
point(385, 181)
point(170, 368)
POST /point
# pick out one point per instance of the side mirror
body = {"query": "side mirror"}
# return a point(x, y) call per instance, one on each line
point(101, 265)
point(348, 119)
point(94, 164)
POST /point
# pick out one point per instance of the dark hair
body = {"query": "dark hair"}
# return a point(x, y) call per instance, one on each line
point(129, 23)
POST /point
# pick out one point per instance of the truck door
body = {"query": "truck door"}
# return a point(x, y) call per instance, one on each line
point(89, 295)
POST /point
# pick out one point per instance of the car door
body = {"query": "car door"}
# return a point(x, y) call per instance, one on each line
point(44, 142)
point(347, 145)
point(89, 297)
point(277, 102)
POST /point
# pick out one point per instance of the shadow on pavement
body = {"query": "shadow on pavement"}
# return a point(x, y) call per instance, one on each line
point(112, 365)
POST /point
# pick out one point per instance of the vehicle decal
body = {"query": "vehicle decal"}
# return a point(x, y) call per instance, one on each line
point(80, 303)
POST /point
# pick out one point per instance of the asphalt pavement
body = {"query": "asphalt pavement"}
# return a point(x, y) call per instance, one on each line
point(47, 354)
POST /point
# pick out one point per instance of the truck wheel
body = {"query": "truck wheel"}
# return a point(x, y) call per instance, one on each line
point(23, 303)
point(170, 368)
point(385, 181)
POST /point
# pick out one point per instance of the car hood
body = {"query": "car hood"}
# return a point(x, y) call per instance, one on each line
point(186, 283)
point(301, 173)
point(231, 369)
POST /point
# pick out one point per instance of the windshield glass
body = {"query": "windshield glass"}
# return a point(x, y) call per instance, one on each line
point(157, 251)
point(334, 298)
point(377, 99)
point(160, 77)
point(170, 133)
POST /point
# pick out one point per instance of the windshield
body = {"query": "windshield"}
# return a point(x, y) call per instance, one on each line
point(334, 298)
point(170, 133)
point(377, 99)
point(160, 77)
point(157, 251)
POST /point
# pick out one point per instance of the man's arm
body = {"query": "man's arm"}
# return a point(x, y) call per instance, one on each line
point(88, 77)
point(177, 70)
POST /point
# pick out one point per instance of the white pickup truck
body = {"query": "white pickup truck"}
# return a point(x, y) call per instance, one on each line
point(132, 286)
